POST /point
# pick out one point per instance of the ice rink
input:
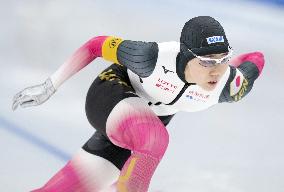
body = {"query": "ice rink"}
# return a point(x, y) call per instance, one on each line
point(227, 148)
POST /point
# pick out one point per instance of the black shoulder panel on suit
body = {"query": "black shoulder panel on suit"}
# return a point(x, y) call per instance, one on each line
point(140, 57)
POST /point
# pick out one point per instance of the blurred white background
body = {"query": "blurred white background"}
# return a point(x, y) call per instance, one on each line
point(228, 148)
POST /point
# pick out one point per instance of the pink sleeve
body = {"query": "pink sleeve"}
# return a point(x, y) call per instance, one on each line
point(256, 58)
point(81, 58)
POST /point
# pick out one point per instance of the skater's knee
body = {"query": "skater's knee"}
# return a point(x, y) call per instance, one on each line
point(137, 128)
point(145, 138)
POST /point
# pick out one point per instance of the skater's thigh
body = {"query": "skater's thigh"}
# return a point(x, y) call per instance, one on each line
point(108, 89)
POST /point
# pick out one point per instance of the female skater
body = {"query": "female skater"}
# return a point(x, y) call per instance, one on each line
point(131, 102)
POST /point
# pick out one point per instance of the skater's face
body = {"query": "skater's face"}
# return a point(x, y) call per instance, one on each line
point(206, 77)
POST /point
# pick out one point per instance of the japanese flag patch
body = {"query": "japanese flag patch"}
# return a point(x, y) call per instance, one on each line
point(237, 84)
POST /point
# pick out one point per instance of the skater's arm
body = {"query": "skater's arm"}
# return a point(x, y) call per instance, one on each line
point(140, 57)
point(244, 70)
point(38, 94)
point(81, 58)
point(254, 58)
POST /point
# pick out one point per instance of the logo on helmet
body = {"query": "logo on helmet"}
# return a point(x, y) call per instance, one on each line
point(215, 39)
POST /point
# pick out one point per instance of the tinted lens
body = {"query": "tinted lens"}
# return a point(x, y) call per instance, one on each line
point(207, 62)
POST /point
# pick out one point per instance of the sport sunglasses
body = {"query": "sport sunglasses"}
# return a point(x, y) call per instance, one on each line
point(208, 62)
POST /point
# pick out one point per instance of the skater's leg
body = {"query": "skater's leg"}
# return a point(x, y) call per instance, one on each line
point(83, 173)
point(114, 109)
point(132, 125)
point(92, 169)
point(100, 161)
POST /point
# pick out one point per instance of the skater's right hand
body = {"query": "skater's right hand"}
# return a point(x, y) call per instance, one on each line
point(35, 95)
